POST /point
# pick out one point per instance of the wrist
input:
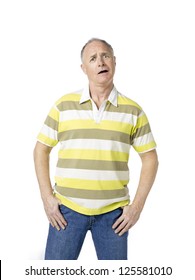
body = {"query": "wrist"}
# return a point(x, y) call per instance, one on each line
point(137, 205)
point(47, 195)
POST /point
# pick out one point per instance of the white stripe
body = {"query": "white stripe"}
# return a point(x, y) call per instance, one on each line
point(95, 144)
point(119, 117)
point(69, 115)
point(49, 132)
point(143, 140)
point(84, 174)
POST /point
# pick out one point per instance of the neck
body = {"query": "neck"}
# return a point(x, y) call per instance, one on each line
point(100, 94)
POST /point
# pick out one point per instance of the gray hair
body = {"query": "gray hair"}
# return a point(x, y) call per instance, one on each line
point(99, 40)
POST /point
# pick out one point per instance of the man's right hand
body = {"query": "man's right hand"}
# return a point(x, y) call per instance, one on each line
point(51, 205)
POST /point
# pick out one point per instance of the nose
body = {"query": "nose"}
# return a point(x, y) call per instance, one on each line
point(100, 61)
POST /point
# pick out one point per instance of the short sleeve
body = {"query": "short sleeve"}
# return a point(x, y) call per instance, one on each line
point(142, 138)
point(48, 135)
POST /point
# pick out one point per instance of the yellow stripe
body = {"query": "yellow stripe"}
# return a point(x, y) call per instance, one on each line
point(146, 147)
point(93, 154)
point(90, 124)
point(87, 211)
point(54, 114)
point(90, 184)
point(127, 101)
point(69, 97)
point(142, 121)
point(75, 124)
point(46, 140)
point(118, 126)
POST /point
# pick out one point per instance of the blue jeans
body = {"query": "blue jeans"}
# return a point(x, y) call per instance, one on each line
point(66, 244)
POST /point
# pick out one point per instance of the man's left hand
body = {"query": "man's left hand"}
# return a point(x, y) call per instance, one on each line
point(128, 219)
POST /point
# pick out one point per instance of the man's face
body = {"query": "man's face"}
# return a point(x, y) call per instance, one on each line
point(98, 63)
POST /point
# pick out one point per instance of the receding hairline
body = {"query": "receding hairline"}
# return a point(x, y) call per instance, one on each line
point(97, 40)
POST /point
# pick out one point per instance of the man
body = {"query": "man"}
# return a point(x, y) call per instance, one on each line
point(95, 127)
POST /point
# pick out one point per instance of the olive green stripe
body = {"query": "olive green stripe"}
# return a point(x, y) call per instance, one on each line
point(121, 108)
point(142, 131)
point(94, 134)
point(92, 164)
point(91, 194)
point(74, 105)
point(51, 123)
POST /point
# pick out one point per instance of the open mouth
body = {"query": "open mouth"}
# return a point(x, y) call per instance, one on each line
point(103, 71)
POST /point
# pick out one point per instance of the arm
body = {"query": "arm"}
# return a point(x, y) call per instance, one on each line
point(131, 213)
point(51, 203)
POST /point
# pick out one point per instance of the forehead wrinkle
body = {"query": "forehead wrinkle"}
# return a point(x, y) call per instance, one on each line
point(96, 47)
point(100, 53)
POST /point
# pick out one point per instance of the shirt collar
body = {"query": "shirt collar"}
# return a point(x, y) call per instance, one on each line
point(112, 98)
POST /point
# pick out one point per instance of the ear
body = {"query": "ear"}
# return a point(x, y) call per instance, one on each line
point(115, 60)
point(83, 68)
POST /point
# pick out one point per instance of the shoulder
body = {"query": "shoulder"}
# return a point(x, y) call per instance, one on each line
point(69, 97)
point(130, 104)
point(123, 99)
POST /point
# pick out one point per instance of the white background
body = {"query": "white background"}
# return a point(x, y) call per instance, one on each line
point(154, 45)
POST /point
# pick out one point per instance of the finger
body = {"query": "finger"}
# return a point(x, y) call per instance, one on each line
point(118, 222)
point(121, 226)
point(51, 222)
point(61, 221)
point(61, 217)
point(125, 229)
point(57, 221)
point(54, 223)
point(59, 214)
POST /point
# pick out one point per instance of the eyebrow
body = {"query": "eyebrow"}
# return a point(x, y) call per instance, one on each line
point(106, 53)
point(93, 55)
point(103, 53)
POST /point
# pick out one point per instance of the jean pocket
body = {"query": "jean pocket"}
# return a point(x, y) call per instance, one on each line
point(63, 209)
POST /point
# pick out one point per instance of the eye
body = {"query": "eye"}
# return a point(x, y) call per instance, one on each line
point(106, 55)
point(92, 59)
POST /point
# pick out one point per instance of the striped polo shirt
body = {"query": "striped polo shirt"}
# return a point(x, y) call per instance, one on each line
point(92, 171)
